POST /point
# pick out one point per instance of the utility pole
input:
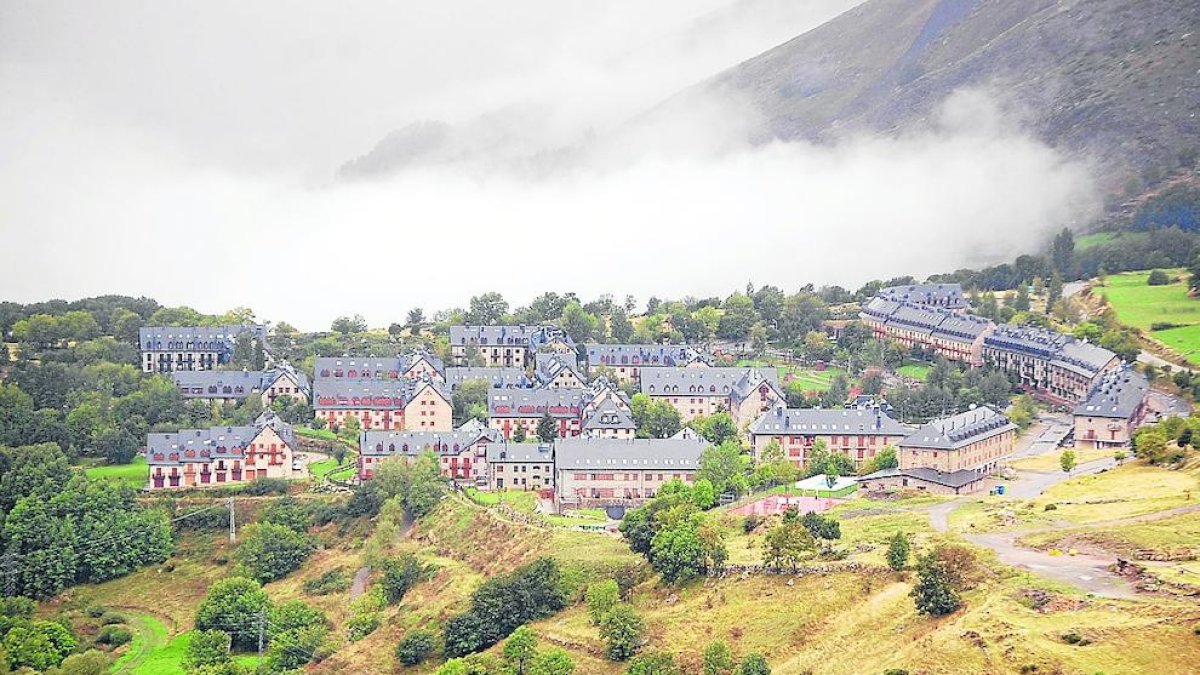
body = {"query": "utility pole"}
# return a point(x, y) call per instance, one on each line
point(262, 631)
point(232, 524)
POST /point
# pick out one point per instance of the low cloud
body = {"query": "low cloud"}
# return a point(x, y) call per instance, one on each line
point(91, 207)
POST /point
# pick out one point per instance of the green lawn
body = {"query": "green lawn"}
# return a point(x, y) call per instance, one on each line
point(812, 380)
point(322, 434)
point(915, 371)
point(320, 468)
point(1142, 306)
point(135, 474)
point(519, 500)
point(1097, 238)
point(149, 637)
point(167, 659)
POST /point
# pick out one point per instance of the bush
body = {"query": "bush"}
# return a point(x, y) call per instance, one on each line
point(114, 636)
point(1158, 278)
point(288, 512)
point(895, 671)
point(898, 551)
point(1050, 507)
point(602, 596)
point(750, 522)
point(1073, 638)
point(399, 575)
point(334, 581)
point(234, 605)
point(503, 603)
point(361, 625)
point(95, 611)
point(266, 486)
point(416, 647)
point(272, 551)
point(109, 618)
point(624, 631)
point(206, 648)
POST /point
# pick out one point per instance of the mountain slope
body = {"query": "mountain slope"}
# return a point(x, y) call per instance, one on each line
point(1117, 81)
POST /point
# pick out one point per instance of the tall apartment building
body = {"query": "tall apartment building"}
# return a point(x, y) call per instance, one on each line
point(745, 393)
point(220, 455)
point(1112, 411)
point(506, 346)
point(949, 333)
point(167, 349)
point(590, 472)
point(857, 433)
point(1054, 367)
point(627, 362)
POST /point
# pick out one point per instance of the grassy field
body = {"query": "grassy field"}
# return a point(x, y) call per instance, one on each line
point(321, 468)
point(1173, 535)
point(135, 474)
point(1087, 241)
point(915, 371)
point(321, 434)
point(812, 380)
point(1142, 306)
point(1049, 462)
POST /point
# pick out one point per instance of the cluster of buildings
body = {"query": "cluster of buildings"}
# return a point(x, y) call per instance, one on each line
point(220, 455)
point(167, 349)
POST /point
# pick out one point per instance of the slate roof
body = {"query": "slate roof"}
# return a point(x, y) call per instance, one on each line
point(413, 443)
point(211, 443)
point(372, 367)
point(559, 403)
point(548, 366)
point(642, 355)
point(1116, 395)
point(498, 453)
point(217, 338)
point(958, 431)
point(608, 416)
point(232, 383)
point(506, 378)
point(784, 421)
point(949, 296)
point(703, 381)
point(369, 394)
point(665, 454)
point(930, 320)
point(531, 336)
point(1061, 350)
point(954, 480)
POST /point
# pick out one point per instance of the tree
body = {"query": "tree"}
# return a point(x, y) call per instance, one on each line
point(486, 309)
point(738, 318)
point(725, 467)
point(884, 459)
point(547, 430)
point(270, 551)
point(416, 646)
point(654, 663)
point(718, 660)
point(787, 545)
point(91, 662)
point(624, 631)
point(1158, 278)
point(754, 664)
point(1054, 291)
point(553, 661)
point(347, 325)
point(40, 645)
point(235, 606)
point(1021, 299)
point(577, 322)
point(619, 326)
point(519, 434)
point(1062, 254)
point(399, 575)
point(418, 484)
point(415, 318)
point(206, 648)
point(601, 597)
point(520, 648)
point(1067, 461)
point(654, 418)
point(686, 548)
point(897, 552)
point(704, 494)
point(934, 593)
point(716, 428)
point(288, 512)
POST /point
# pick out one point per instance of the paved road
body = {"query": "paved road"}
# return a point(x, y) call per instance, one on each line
point(1044, 436)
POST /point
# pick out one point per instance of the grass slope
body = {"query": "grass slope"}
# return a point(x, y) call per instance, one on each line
point(1142, 306)
point(135, 474)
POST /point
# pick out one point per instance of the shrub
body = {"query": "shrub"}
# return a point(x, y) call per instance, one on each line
point(334, 581)
point(1158, 278)
point(95, 611)
point(750, 522)
point(206, 648)
point(272, 551)
point(416, 647)
point(1050, 507)
point(934, 592)
point(602, 596)
point(234, 605)
point(898, 551)
point(114, 635)
point(624, 631)
point(361, 625)
point(895, 671)
point(266, 486)
point(288, 512)
point(655, 663)
point(109, 618)
point(399, 575)
point(502, 604)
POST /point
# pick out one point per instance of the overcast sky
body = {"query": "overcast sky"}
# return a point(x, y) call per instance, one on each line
point(189, 151)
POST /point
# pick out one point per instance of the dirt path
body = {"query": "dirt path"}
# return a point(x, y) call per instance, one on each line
point(360, 582)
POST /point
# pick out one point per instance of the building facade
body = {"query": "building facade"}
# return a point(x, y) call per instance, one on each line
point(1054, 367)
point(976, 440)
point(745, 393)
point(952, 334)
point(520, 466)
point(596, 472)
point(167, 349)
point(393, 405)
point(627, 362)
point(856, 433)
point(235, 386)
point(414, 365)
point(1112, 411)
point(501, 378)
point(557, 371)
point(608, 420)
point(221, 455)
point(510, 409)
point(505, 346)
point(461, 454)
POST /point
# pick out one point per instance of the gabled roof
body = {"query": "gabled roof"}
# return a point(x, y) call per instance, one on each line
point(520, 335)
point(497, 377)
point(608, 416)
point(815, 421)
point(548, 366)
point(642, 355)
point(499, 453)
point(934, 320)
point(233, 383)
point(219, 337)
point(204, 445)
point(370, 394)
point(1061, 350)
point(558, 403)
point(954, 480)
point(413, 443)
point(949, 296)
point(1116, 395)
point(958, 431)
point(703, 381)
point(612, 454)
